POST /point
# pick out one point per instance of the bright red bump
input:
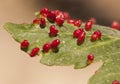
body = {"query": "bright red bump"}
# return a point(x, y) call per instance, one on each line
point(78, 23)
point(90, 58)
point(81, 38)
point(34, 52)
point(59, 21)
point(60, 15)
point(51, 16)
point(44, 12)
point(96, 35)
point(99, 34)
point(36, 21)
point(115, 25)
point(88, 26)
point(53, 30)
point(24, 44)
point(42, 22)
point(46, 47)
point(55, 43)
point(71, 21)
point(77, 33)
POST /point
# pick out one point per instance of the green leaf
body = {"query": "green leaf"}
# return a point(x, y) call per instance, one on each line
point(107, 49)
point(109, 71)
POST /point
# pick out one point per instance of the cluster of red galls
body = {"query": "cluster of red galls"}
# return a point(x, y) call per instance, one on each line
point(45, 14)
point(53, 16)
point(46, 47)
point(80, 35)
point(58, 17)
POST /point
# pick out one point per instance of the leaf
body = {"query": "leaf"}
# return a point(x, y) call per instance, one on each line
point(107, 49)
point(109, 71)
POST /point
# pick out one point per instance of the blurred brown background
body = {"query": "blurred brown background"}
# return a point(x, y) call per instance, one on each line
point(105, 11)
